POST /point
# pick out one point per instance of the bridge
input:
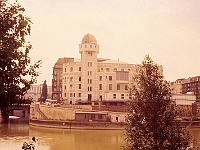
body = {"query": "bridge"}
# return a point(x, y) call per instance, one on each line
point(22, 111)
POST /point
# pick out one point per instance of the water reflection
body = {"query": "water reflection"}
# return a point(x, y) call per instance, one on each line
point(16, 127)
point(13, 135)
point(78, 139)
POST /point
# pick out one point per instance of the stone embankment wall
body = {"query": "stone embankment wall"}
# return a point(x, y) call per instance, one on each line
point(68, 113)
point(52, 113)
point(110, 108)
point(58, 113)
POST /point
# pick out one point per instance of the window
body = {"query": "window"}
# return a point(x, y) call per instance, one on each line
point(110, 78)
point(122, 96)
point(79, 68)
point(118, 86)
point(71, 94)
point(100, 86)
point(89, 53)
point(114, 96)
point(100, 117)
point(89, 81)
point(79, 86)
point(71, 79)
point(89, 64)
point(107, 69)
point(65, 88)
point(89, 88)
point(65, 69)
point(122, 75)
point(110, 86)
point(126, 87)
point(90, 46)
point(89, 73)
point(65, 94)
point(115, 69)
point(100, 78)
point(130, 96)
point(79, 94)
point(85, 46)
point(71, 69)
point(71, 86)
point(79, 79)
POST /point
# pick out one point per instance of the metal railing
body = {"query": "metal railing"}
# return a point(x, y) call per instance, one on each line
point(37, 108)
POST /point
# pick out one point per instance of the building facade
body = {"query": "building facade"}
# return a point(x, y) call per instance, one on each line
point(57, 78)
point(192, 85)
point(35, 92)
point(184, 86)
point(95, 79)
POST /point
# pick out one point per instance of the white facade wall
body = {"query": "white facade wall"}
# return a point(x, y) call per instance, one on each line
point(184, 99)
point(117, 117)
point(94, 79)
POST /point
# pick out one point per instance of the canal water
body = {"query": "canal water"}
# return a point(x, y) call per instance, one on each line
point(13, 135)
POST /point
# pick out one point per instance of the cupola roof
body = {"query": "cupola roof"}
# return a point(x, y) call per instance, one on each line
point(89, 39)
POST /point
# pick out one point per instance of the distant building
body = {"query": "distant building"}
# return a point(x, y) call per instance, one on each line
point(184, 86)
point(90, 78)
point(35, 91)
point(176, 86)
point(57, 78)
point(193, 85)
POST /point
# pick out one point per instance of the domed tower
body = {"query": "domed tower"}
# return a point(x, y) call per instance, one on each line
point(89, 44)
point(89, 50)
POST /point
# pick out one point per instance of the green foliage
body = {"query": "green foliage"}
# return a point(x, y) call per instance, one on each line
point(152, 123)
point(14, 54)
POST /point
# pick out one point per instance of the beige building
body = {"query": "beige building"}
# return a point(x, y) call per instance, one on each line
point(57, 77)
point(95, 79)
point(176, 86)
point(184, 86)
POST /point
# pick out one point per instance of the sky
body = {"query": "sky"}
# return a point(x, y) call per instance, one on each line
point(126, 30)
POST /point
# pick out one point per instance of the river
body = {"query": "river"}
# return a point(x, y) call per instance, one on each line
point(17, 131)
point(13, 135)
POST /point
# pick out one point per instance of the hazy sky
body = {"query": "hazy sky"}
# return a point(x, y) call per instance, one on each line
point(167, 30)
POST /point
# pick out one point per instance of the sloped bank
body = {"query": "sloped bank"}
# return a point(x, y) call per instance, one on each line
point(77, 125)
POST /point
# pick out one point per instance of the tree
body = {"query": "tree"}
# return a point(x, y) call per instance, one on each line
point(16, 71)
point(152, 123)
point(44, 92)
